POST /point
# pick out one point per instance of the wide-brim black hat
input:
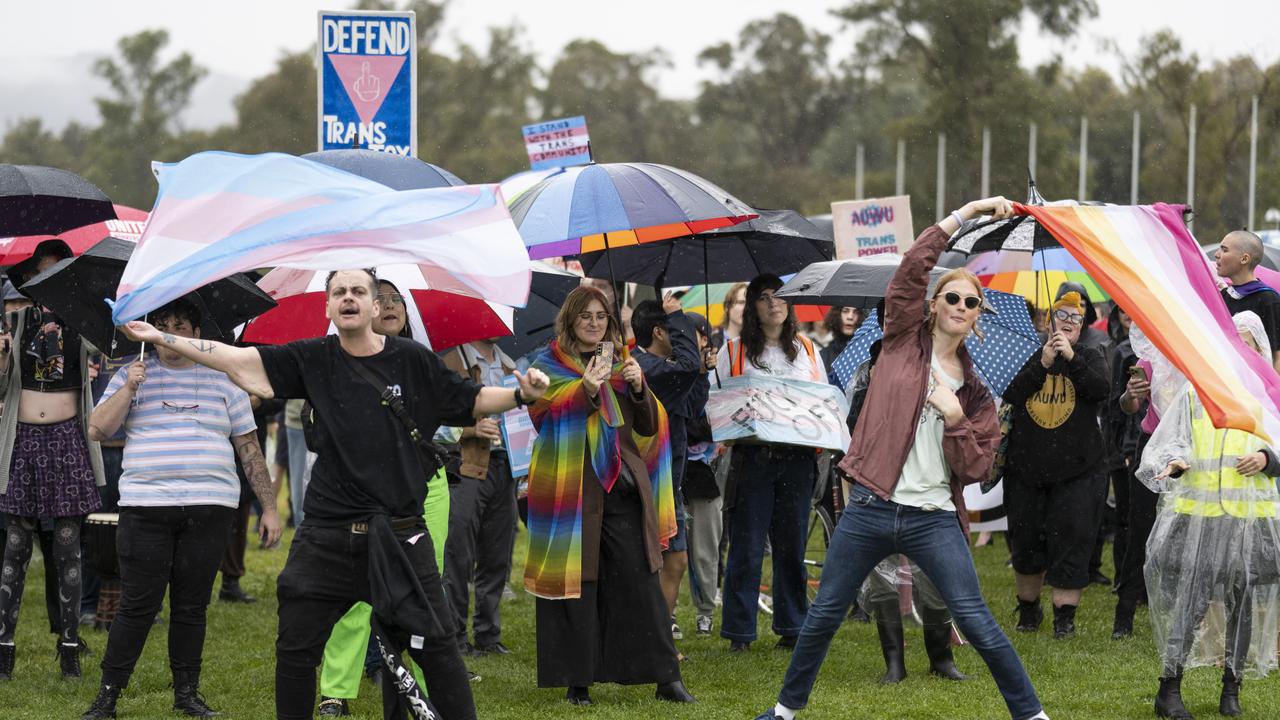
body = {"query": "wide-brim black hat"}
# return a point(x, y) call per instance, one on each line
point(20, 273)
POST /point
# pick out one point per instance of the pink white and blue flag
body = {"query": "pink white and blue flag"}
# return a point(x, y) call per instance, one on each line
point(220, 213)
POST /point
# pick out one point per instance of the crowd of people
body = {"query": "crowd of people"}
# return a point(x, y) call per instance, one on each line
point(138, 477)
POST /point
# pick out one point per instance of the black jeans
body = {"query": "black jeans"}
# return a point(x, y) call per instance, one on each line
point(482, 530)
point(178, 548)
point(1131, 585)
point(326, 573)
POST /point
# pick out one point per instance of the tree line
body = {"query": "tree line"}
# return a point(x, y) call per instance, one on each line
point(777, 124)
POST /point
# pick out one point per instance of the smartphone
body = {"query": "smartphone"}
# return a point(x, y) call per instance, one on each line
point(1139, 372)
point(604, 353)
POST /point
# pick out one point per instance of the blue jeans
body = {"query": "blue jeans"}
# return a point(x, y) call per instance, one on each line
point(871, 529)
point(772, 497)
point(297, 473)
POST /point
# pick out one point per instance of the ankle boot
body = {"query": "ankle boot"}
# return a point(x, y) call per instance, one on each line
point(578, 696)
point(1030, 615)
point(186, 696)
point(1169, 700)
point(1122, 626)
point(69, 660)
point(1229, 703)
point(104, 706)
point(674, 691)
point(937, 644)
point(7, 653)
point(892, 646)
point(1064, 622)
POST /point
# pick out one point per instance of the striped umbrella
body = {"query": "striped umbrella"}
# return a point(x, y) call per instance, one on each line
point(608, 205)
point(1035, 276)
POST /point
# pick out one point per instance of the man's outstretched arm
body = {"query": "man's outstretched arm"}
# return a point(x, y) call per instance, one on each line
point(242, 365)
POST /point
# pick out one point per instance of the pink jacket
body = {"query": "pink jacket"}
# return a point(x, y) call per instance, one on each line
point(886, 427)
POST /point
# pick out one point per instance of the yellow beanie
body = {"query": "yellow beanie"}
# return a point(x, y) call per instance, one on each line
point(1070, 301)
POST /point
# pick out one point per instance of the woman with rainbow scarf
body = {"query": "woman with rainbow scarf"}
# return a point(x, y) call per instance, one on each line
point(600, 509)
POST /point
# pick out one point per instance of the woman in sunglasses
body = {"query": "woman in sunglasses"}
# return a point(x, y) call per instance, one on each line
point(1054, 471)
point(927, 428)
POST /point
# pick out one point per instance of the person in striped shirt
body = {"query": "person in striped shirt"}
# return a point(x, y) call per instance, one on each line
point(185, 424)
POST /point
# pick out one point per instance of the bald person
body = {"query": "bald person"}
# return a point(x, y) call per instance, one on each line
point(1238, 256)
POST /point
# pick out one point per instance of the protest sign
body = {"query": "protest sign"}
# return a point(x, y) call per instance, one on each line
point(872, 227)
point(368, 84)
point(558, 143)
point(517, 435)
point(779, 410)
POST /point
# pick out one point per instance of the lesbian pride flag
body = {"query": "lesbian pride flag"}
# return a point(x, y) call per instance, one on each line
point(1145, 258)
point(220, 213)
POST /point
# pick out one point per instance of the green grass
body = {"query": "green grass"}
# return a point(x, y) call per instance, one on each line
point(1089, 677)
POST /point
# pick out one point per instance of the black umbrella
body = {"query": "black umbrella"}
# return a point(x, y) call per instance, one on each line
point(398, 172)
point(37, 200)
point(1020, 232)
point(857, 282)
point(75, 289)
point(779, 242)
point(536, 322)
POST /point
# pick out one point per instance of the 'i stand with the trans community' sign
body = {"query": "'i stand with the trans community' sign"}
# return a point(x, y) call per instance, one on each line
point(368, 81)
point(558, 143)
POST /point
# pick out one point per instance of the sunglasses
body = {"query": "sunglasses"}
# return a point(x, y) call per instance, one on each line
point(391, 299)
point(971, 302)
point(1068, 317)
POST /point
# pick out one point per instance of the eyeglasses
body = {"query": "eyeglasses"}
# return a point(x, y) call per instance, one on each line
point(175, 408)
point(391, 299)
point(769, 299)
point(1068, 317)
point(970, 301)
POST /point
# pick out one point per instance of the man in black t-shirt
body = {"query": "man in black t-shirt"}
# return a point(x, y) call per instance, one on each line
point(1238, 256)
point(368, 467)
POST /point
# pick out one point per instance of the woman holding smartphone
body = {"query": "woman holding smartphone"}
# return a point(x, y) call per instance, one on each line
point(600, 510)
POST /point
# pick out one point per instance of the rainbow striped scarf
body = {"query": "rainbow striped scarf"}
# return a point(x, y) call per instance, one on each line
point(570, 428)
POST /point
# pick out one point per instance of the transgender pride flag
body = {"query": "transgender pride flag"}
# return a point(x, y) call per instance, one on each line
point(1146, 260)
point(220, 213)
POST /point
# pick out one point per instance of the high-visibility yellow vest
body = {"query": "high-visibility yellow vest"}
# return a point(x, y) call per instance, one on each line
point(1212, 487)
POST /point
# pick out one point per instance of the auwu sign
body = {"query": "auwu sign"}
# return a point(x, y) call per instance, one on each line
point(368, 81)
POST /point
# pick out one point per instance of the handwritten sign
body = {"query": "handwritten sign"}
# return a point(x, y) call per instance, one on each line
point(558, 143)
point(517, 435)
point(779, 410)
point(872, 227)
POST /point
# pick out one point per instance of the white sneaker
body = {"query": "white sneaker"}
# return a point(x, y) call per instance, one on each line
point(704, 624)
point(676, 633)
point(766, 604)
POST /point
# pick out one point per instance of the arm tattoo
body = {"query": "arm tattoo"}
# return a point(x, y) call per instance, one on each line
point(255, 468)
point(203, 346)
point(169, 339)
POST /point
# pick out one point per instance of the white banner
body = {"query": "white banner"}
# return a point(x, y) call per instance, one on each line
point(779, 410)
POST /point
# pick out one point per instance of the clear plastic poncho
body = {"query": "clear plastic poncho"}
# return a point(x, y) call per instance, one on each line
point(1212, 570)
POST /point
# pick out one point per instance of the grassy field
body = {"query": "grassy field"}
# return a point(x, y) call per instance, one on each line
point(1089, 677)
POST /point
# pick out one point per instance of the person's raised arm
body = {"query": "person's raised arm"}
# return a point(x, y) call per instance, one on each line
point(243, 365)
point(494, 400)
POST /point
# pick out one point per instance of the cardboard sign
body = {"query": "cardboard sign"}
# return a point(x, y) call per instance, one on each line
point(872, 227)
point(368, 85)
point(558, 143)
point(779, 410)
point(518, 435)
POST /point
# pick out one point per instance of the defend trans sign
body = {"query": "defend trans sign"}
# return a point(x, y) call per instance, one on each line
point(558, 143)
point(368, 81)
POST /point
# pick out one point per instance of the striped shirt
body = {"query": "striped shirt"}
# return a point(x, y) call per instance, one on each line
point(178, 450)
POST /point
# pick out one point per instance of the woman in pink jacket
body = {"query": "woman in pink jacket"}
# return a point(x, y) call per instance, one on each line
point(910, 462)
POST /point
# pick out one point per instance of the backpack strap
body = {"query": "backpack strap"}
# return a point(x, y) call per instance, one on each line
point(813, 359)
point(433, 456)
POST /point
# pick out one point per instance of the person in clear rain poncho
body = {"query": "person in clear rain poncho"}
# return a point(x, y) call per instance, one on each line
point(1212, 573)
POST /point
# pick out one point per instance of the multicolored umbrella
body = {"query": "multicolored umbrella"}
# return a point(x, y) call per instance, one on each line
point(441, 315)
point(603, 206)
point(1035, 276)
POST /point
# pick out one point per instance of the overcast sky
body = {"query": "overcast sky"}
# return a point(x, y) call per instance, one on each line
point(46, 47)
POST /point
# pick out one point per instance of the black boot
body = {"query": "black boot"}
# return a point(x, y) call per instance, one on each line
point(1064, 622)
point(937, 644)
point(1122, 627)
point(7, 653)
point(1030, 615)
point(69, 661)
point(674, 692)
point(104, 706)
point(1229, 703)
point(891, 645)
point(186, 696)
point(578, 696)
point(1169, 700)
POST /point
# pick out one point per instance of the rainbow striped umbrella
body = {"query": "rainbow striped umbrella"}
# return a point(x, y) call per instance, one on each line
point(609, 205)
point(1035, 276)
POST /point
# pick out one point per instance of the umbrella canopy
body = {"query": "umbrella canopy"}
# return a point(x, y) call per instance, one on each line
point(441, 313)
point(536, 322)
point(398, 172)
point(599, 206)
point(42, 200)
point(76, 289)
point(1035, 276)
point(1021, 233)
point(126, 225)
point(1009, 339)
point(1270, 256)
point(857, 282)
point(778, 242)
point(516, 185)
